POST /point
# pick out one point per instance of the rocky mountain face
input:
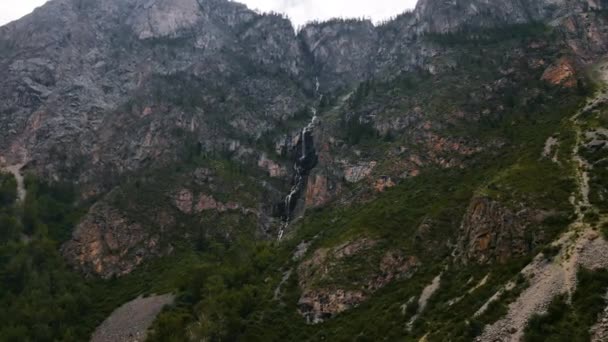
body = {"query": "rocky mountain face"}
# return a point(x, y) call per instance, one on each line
point(494, 233)
point(378, 162)
point(70, 74)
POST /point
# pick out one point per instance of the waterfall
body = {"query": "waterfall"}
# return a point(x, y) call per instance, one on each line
point(303, 139)
point(301, 167)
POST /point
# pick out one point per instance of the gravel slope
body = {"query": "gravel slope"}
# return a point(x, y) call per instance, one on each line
point(130, 322)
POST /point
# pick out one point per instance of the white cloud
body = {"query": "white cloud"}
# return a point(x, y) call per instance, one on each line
point(14, 9)
point(300, 11)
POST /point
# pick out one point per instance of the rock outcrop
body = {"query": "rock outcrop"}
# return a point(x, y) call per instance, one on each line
point(330, 42)
point(322, 298)
point(106, 243)
point(384, 183)
point(187, 203)
point(492, 232)
point(356, 173)
point(320, 190)
point(561, 73)
point(183, 201)
point(274, 169)
point(165, 18)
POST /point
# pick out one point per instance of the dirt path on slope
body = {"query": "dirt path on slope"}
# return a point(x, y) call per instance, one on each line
point(15, 170)
point(14, 167)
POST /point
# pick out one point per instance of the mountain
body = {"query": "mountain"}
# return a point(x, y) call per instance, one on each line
point(437, 177)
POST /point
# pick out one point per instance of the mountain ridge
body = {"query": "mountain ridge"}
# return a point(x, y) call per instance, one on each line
point(69, 125)
point(343, 181)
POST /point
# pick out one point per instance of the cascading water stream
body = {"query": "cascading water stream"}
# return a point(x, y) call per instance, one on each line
point(300, 168)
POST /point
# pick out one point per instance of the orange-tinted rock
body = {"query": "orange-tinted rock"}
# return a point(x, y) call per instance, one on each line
point(206, 202)
point(183, 201)
point(317, 191)
point(147, 111)
point(561, 73)
point(493, 232)
point(384, 183)
point(232, 206)
point(107, 244)
point(274, 169)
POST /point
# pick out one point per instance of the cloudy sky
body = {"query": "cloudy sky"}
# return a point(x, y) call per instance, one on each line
point(300, 11)
point(15, 9)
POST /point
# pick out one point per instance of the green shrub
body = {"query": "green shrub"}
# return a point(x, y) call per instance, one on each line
point(8, 190)
point(604, 229)
point(550, 251)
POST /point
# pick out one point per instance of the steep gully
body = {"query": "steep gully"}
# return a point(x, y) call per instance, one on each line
point(305, 160)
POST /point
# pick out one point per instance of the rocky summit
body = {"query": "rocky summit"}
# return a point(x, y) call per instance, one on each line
point(440, 176)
